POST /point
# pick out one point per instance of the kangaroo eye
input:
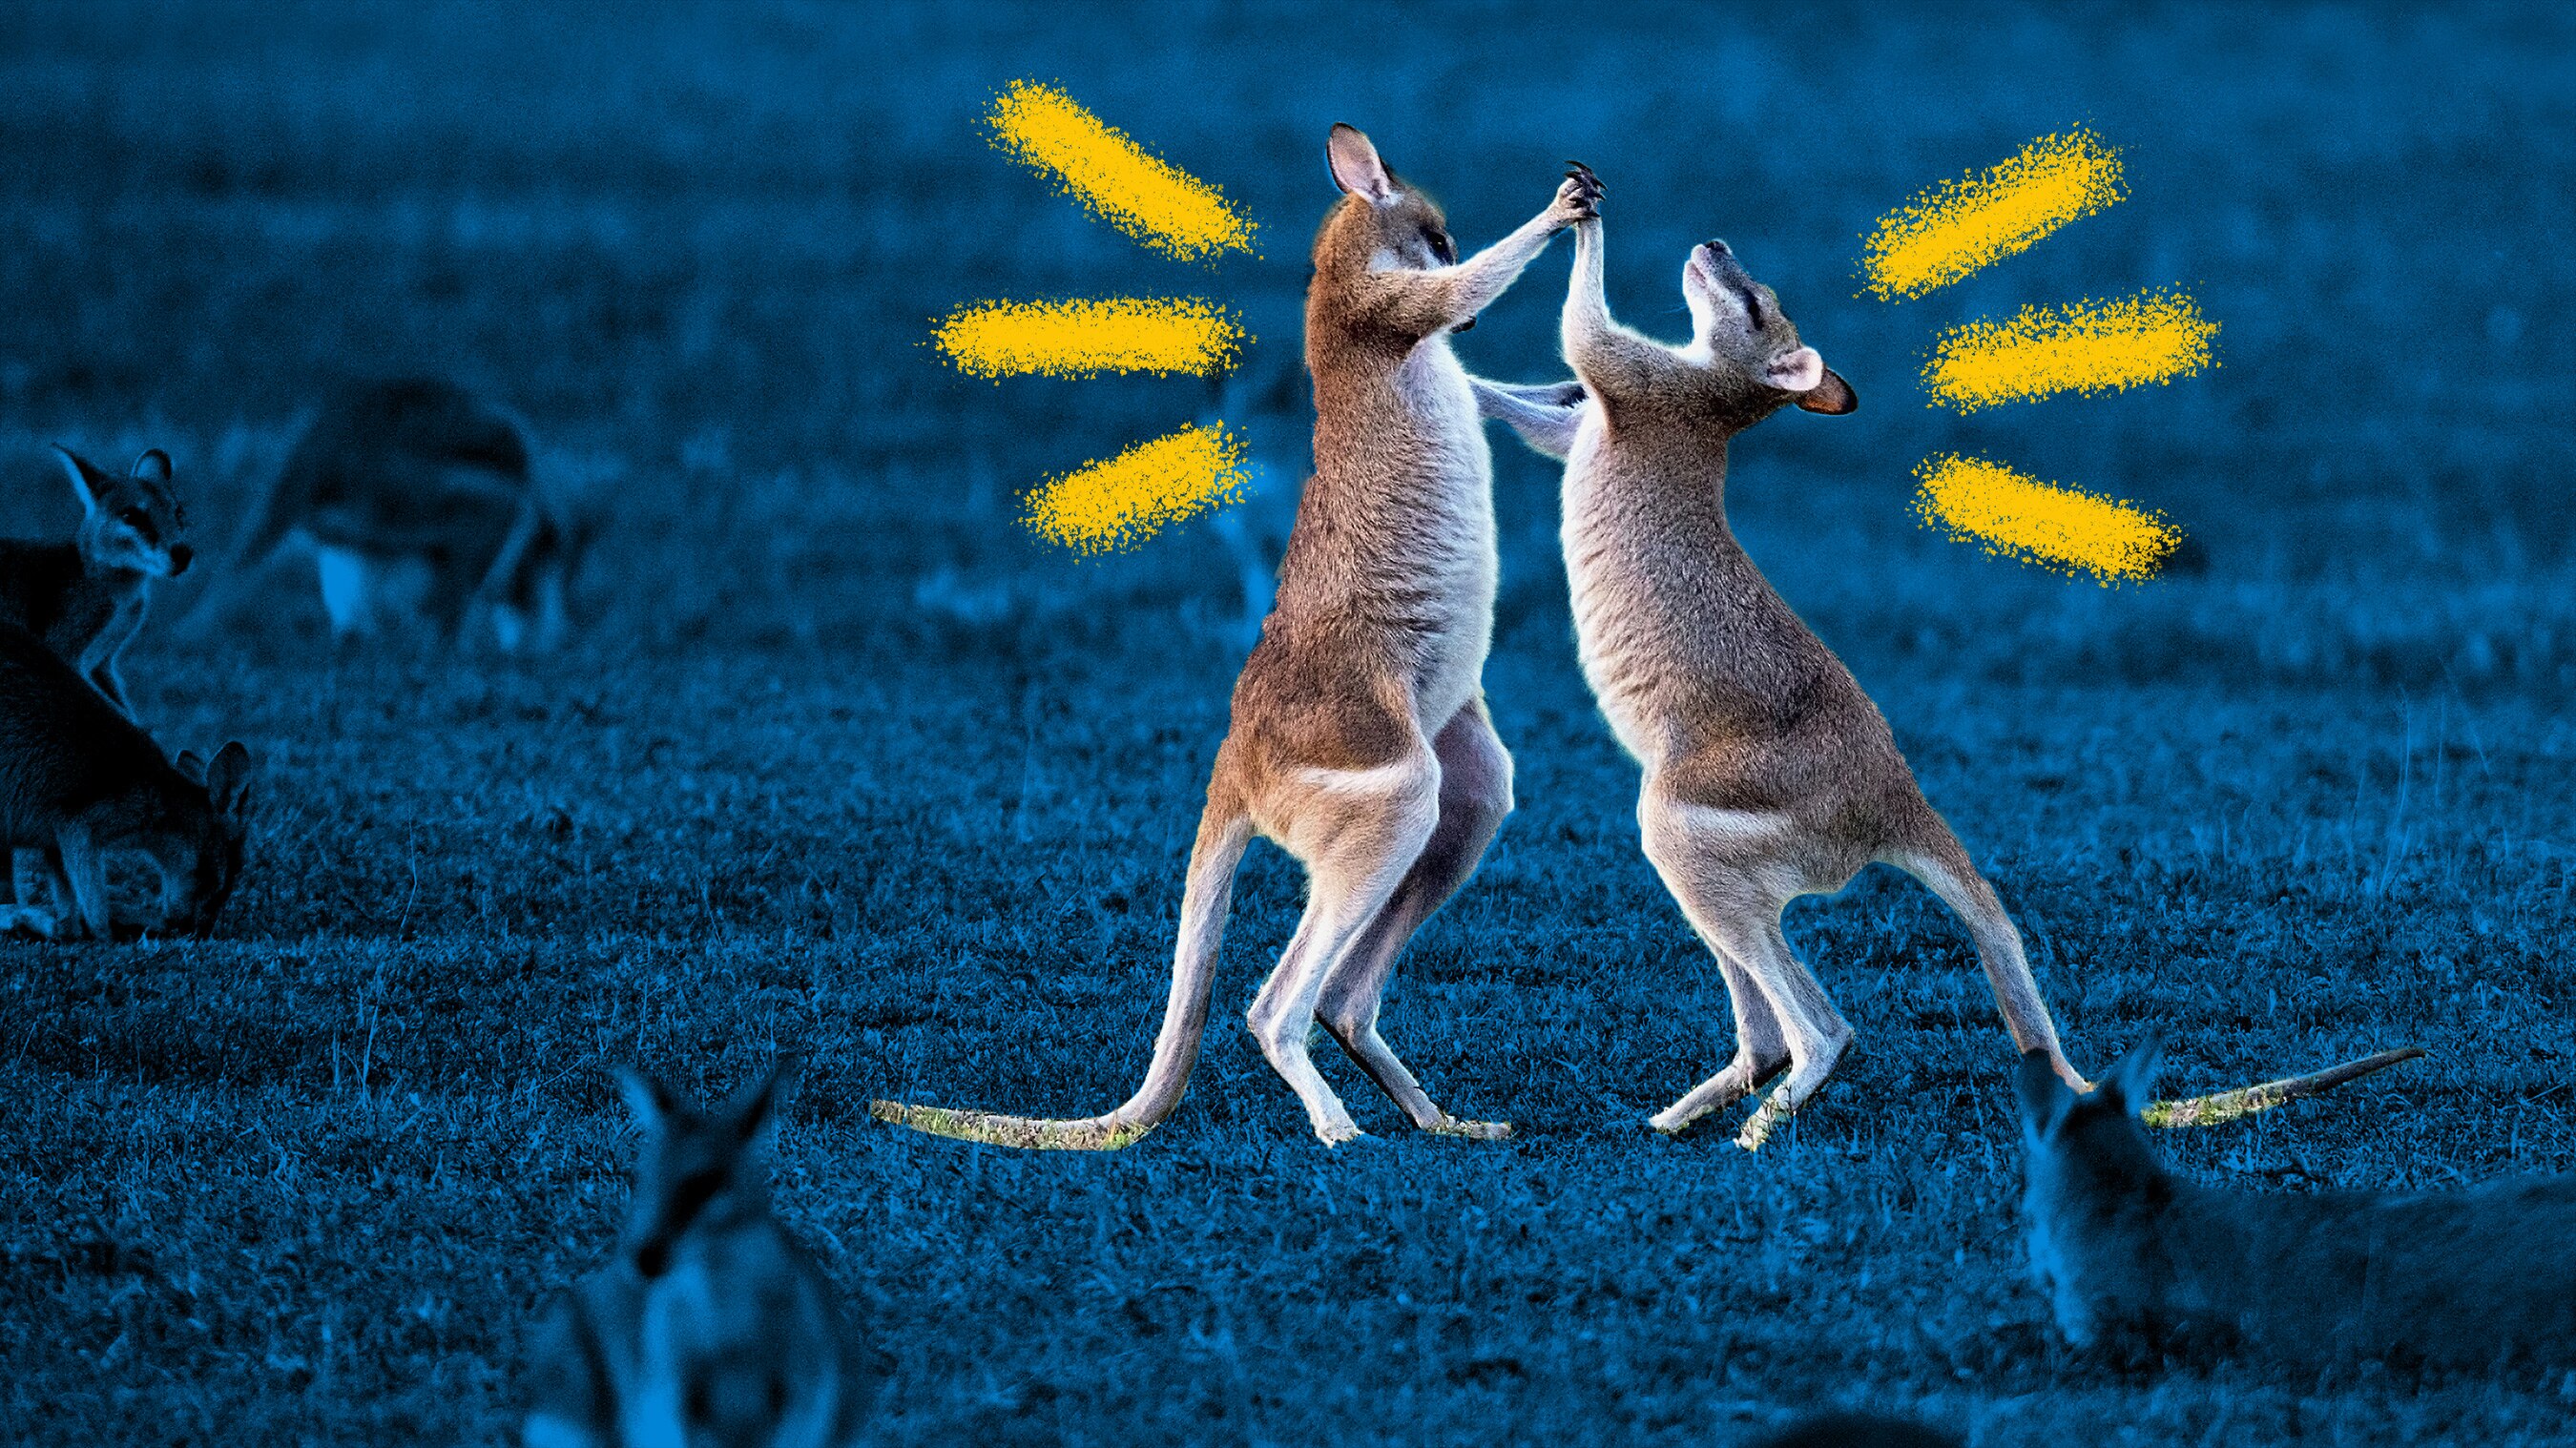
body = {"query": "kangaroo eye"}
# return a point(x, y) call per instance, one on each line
point(1441, 246)
point(134, 517)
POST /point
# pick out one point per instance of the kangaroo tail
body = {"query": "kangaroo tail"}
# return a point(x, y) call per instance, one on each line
point(2223, 1106)
point(1224, 832)
point(1943, 866)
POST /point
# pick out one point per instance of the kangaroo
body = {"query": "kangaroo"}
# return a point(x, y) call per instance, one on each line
point(2128, 1251)
point(1359, 740)
point(419, 499)
point(78, 782)
point(1768, 773)
point(710, 1326)
point(87, 598)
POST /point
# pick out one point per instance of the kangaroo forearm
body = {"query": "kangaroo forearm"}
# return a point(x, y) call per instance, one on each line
point(1436, 301)
point(1548, 429)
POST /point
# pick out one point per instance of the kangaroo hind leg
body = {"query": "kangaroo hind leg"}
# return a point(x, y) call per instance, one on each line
point(1475, 795)
point(1358, 833)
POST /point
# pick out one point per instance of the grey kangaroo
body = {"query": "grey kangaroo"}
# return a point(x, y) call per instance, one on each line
point(1360, 742)
point(80, 782)
point(710, 1326)
point(419, 499)
point(2130, 1252)
point(87, 598)
point(1767, 772)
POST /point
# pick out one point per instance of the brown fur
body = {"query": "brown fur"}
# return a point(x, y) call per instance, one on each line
point(1769, 774)
point(2134, 1256)
point(1360, 742)
point(79, 782)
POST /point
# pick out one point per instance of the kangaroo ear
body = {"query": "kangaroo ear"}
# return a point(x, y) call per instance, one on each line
point(653, 1103)
point(1355, 166)
point(1832, 396)
point(154, 465)
point(86, 480)
point(190, 765)
point(2131, 1083)
point(758, 1105)
point(2044, 1098)
point(227, 777)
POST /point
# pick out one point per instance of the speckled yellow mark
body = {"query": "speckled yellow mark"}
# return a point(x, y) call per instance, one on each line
point(1108, 506)
point(1148, 198)
point(2013, 513)
point(1084, 338)
point(2086, 347)
point(1955, 228)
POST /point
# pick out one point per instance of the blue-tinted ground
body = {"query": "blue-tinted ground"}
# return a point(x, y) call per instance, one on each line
point(845, 763)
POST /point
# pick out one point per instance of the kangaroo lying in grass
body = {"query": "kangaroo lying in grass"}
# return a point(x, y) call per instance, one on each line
point(2127, 1250)
point(710, 1326)
point(1360, 741)
point(80, 782)
point(1768, 773)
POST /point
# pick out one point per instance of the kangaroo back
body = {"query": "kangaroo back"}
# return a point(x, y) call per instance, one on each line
point(711, 1326)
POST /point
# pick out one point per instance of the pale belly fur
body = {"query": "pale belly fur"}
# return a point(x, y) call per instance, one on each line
point(1459, 562)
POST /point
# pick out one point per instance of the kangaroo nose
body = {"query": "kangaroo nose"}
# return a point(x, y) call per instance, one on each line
point(1717, 246)
point(180, 553)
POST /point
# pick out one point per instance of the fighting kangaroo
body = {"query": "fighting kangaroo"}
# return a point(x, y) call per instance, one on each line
point(1360, 742)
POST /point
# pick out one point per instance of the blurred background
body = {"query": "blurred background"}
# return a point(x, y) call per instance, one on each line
point(699, 249)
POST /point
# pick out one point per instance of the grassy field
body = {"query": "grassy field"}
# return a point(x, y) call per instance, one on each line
point(312, 1179)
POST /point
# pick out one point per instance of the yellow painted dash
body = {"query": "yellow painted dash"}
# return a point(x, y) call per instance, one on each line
point(2056, 527)
point(1148, 198)
point(1954, 229)
point(1107, 506)
point(1086, 337)
point(2086, 347)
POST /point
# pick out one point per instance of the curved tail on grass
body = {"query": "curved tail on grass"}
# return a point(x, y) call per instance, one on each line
point(1224, 832)
point(2224, 1106)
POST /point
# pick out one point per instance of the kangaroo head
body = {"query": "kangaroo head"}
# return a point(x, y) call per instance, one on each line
point(224, 830)
point(131, 524)
point(1382, 223)
point(1750, 346)
point(697, 1169)
point(2093, 1137)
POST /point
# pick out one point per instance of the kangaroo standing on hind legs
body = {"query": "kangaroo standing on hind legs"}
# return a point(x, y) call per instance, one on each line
point(1768, 773)
point(1359, 741)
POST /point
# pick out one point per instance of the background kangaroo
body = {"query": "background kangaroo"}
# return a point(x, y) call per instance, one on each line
point(2127, 1250)
point(419, 499)
point(80, 782)
point(710, 1326)
point(1360, 742)
point(87, 598)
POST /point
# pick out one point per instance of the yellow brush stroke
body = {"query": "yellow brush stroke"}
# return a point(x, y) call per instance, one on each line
point(2013, 513)
point(1144, 196)
point(1951, 230)
point(1087, 337)
point(1117, 504)
point(2151, 337)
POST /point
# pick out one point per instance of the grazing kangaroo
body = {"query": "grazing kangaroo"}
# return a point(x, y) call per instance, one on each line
point(2129, 1251)
point(1360, 742)
point(87, 598)
point(1768, 773)
point(79, 782)
point(419, 499)
point(711, 1326)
